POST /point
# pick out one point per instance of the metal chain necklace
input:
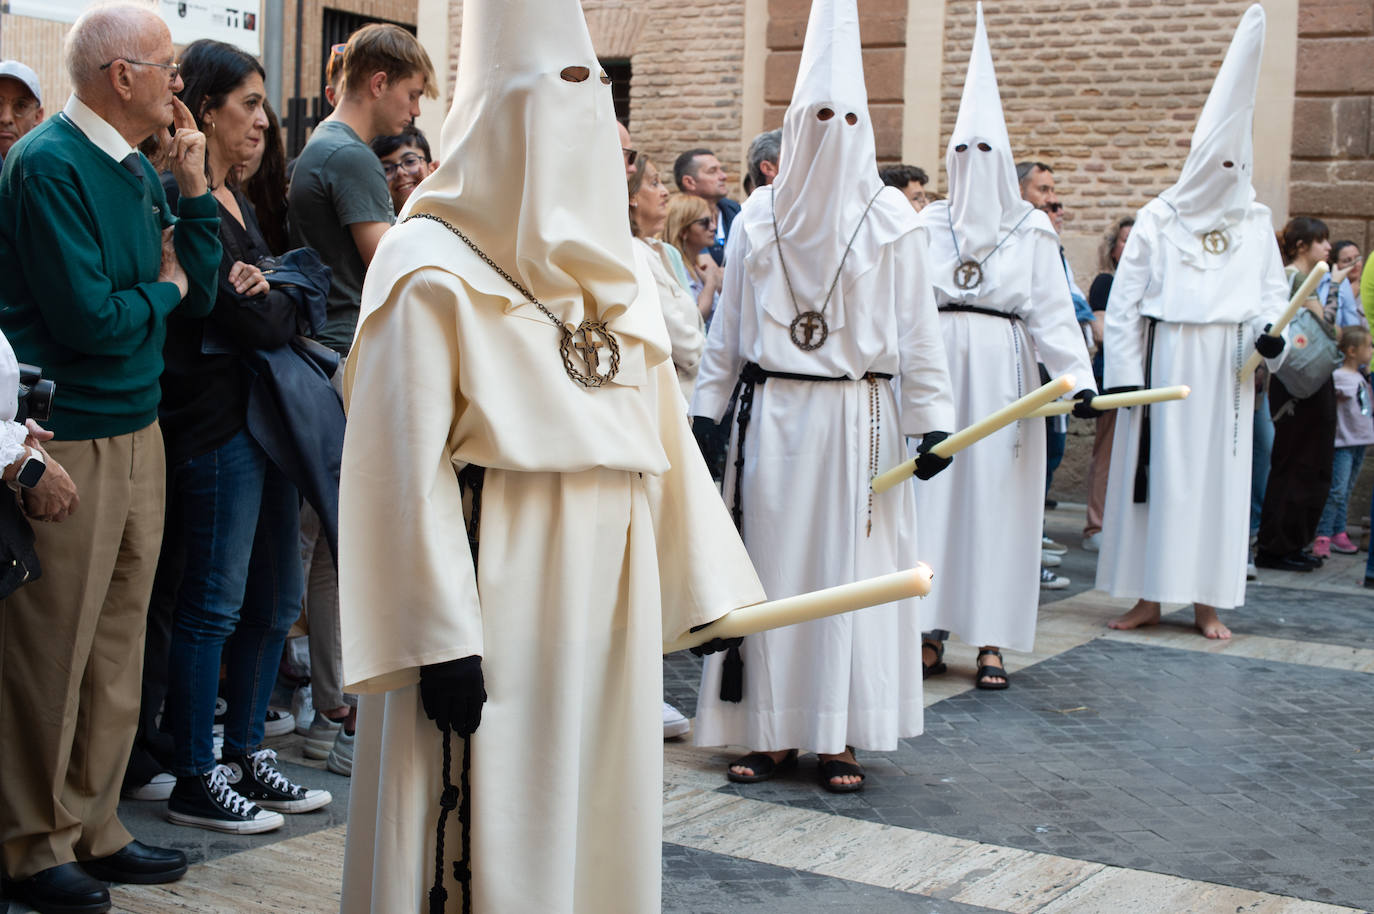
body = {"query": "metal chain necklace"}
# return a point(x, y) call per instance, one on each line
point(1215, 241)
point(587, 339)
point(969, 273)
point(807, 323)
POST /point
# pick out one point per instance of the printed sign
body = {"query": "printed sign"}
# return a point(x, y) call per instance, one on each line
point(236, 24)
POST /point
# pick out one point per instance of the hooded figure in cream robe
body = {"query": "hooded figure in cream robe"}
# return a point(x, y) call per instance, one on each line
point(1003, 297)
point(1198, 281)
point(600, 530)
point(811, 446)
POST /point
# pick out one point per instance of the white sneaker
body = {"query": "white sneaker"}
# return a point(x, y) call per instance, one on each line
point(1049, 545)
point(319, 738)
point(340, 759)
point(1093, 542)
point(159, 788)
point(279, 722)
point(1051, 581)
point(303, 709)
point(1050, 560)
point(674, 724)
point(1251, 572)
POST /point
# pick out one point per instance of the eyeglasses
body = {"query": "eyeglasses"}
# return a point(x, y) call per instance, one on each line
point(21, 107)
point(409, 162)
point(172, 68)
point(630, 155)
point(704, 222)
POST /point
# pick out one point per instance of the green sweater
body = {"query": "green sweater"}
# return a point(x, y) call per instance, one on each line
point(81, 241)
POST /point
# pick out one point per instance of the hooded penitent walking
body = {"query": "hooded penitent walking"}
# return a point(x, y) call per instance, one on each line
point(1000, 287)
point(1198, 281)
point(511, 382)
point(827, 324)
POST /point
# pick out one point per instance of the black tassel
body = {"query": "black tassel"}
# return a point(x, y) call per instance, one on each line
point(732, 676)
point(1142, 462)
point(449, 800)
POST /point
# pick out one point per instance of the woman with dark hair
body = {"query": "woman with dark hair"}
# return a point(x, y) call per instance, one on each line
point(263, 180)
point(1346, 265)
point(1304, 429)
point(231, 506)
point(1108, 256)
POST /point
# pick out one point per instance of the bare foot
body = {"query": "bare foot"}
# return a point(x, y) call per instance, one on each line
point(749, 772)
point(1205, 618)
point(847, 756)
point(1143, 613)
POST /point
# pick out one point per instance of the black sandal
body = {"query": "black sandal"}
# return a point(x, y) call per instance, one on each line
point(763, 766)
point(932, 669)
point(838, 769)
point(987, 672)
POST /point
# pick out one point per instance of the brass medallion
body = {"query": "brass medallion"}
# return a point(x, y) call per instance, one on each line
point(805, 330)
point(968, 275)
point(1215, 242)
point(585, 344)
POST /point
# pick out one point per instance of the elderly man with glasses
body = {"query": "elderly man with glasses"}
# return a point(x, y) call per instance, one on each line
point(98, 260)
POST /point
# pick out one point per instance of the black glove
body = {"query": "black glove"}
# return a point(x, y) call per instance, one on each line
point(1123, 389)
point(715, 645)
point(1268, 346)
point(1083, 405)
point(928, 464)
point(452, 694)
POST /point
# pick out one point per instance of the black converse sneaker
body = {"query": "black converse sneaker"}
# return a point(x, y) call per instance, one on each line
point(256, 777)
point(207, 801)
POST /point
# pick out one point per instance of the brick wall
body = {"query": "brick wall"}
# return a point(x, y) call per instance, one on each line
point(38, 43)
point(1333, 166)
point(1107, 92)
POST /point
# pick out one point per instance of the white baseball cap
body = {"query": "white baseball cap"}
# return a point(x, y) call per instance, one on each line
point(22, 72)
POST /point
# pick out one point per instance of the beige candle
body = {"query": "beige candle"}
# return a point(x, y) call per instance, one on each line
point(806, 607)
point(1295, 304)
point(979, 430)
point(1118, 401)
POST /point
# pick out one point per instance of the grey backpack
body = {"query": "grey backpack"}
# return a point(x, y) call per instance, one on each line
point(1311, 356)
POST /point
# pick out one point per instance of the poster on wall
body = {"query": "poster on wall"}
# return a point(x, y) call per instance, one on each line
point(236, 22)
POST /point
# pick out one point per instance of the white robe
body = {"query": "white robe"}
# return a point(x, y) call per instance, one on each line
point(980, 520)
point(853, 679)
point(1188, 542)
point(599, 536)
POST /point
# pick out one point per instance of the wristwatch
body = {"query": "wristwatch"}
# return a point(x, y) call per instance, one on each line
point(31, 470)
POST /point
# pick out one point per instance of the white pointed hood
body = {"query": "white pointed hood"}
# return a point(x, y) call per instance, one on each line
point(827, 168)
point(984, 196)
point(530, 166)
point(1215, 190)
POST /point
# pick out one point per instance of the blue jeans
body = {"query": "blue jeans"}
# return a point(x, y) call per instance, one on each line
point(242, 586)
point(1345, 467)
point(1259, 458)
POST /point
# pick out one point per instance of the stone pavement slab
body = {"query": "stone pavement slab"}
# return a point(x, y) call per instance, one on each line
point(1326, 617)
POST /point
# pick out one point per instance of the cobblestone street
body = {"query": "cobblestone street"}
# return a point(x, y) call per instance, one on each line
point(1148, 771)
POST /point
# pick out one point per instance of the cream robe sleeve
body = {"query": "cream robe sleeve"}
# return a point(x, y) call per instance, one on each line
point(723, 361)
point(1123, 328)
point(1051, 320)
point(680, 313)
point(926, 396)
point(704, 570)
point(407, 589)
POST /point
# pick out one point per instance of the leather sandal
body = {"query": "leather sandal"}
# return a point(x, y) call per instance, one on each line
point(838, 769)
point(932, 669)
point(763, 766)
point(986, 672)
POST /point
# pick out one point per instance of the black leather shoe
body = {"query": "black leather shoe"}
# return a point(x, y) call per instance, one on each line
point(62, 889)
point(1282, 562)
point(139, 864)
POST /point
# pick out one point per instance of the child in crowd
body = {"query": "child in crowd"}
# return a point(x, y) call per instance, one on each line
point(1354, 430)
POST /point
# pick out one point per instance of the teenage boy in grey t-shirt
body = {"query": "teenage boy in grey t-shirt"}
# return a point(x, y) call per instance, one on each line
point(339, 201)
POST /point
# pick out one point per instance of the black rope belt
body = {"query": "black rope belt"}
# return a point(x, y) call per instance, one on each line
point(1141, 493)
point(974, 309)
point(732, 670)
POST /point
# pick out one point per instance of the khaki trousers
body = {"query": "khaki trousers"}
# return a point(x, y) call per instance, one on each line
point(71, 657)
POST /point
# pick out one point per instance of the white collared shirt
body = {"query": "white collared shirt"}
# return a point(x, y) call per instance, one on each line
point(98, 130)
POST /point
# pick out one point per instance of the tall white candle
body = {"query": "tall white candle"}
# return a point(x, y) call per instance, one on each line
point(1118, 401)
point(750, 620)
point(1295, 304)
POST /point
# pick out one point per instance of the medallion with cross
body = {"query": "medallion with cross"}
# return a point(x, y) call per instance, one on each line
point(588, 340)
point(804, 330)
point(968, 275)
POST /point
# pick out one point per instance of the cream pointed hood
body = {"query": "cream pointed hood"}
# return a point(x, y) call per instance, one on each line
point(530, 165)
point(984, 197)
point(1215, 190)
point(827, 170)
